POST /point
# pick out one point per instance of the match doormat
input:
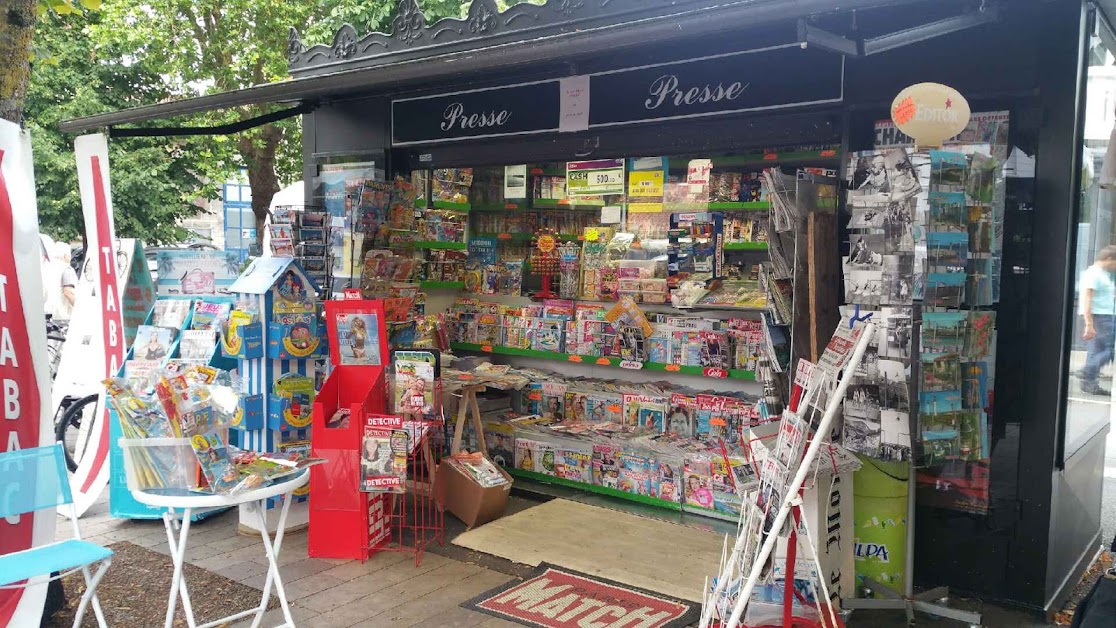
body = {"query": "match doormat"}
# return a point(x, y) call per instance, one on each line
point(559, 598)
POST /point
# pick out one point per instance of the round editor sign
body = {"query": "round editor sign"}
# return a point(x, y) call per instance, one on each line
point(930, 113)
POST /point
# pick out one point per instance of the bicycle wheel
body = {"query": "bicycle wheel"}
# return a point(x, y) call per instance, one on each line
point(72, 418)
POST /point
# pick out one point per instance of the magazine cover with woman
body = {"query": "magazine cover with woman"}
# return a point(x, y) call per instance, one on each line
point(383, 455)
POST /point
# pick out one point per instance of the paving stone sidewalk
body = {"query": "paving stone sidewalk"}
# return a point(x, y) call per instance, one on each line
point(388, 590)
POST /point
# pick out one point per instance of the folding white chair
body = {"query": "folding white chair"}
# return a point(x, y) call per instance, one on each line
point(32, 480)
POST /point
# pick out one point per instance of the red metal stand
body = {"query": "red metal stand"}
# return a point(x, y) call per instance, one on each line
point(413, 520)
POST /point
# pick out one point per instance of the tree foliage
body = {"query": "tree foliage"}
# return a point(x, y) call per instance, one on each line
point(155, 180)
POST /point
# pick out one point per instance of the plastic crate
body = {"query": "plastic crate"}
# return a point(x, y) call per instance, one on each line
point(154, 464)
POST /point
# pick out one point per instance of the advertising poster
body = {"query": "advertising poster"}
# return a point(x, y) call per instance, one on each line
point(196, 272)
point(24, 398)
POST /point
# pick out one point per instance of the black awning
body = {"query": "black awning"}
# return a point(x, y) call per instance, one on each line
point(690, 20)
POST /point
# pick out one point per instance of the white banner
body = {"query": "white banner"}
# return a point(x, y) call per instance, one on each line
point(24, 374)
point(92, 474)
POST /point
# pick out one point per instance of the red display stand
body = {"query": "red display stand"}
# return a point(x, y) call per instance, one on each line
point(409, 522)
point(339, 512)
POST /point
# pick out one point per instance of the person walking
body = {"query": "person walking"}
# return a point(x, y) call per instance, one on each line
point(1098, 308)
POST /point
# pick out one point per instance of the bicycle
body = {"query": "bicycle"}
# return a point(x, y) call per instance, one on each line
point(70, 413)
point(56, 339)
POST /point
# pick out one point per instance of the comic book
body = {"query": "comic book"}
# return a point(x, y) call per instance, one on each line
point(209, 315)
point(171, 313)
point(383, 455)
point(213, 458)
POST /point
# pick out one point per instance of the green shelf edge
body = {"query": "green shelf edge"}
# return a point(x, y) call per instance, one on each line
point(452, 246)
point(548, 203)
point(749, 206)
point(447, 205)
point(441, 285)
point(590, 360)
point(593, 488)
point(745, 246)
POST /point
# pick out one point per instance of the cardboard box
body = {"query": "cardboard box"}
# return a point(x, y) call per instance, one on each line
point(468, 501)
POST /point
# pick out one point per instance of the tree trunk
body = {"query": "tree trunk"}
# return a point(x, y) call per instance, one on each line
point(17, 24)
point(257, 149)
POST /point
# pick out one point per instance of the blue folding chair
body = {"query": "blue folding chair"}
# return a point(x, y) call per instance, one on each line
point(32, 480)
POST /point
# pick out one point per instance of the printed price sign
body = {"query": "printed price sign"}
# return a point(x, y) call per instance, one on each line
point(593, 178)
point(632, 365)
point(646, 183)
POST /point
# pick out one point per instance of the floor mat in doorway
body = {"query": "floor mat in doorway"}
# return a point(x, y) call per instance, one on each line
point(560, 598)
point(653, 555)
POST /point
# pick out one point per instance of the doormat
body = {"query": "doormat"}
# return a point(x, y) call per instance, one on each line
point(559, 598)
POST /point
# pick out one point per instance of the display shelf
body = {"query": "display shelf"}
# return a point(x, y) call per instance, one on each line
point(446, 205)
point(513, 205)
point(591, 360)
point(753, 206)
point(593, 488)
point(431, 244)
point(556, 203)
point(745, 246)
point(441, 285)
point(730, 162)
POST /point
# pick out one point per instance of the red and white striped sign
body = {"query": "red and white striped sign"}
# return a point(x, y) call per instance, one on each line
point(24, 375)
point(92, 474)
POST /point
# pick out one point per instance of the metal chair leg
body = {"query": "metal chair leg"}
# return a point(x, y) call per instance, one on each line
point(91, 594)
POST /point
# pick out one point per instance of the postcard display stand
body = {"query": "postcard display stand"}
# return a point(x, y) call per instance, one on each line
point(274, 335)
point(750, 566)
point(121, 502)
point(344, 522)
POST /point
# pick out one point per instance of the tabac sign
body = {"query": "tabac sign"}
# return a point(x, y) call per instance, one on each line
point(930, 113)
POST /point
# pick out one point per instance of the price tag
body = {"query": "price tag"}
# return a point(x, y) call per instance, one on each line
point(604, 362)
point(632, 365)
point(646, 183)
point(486, 348)
point(715, 372)
point(593, 178)
point(574, 358)
point(674, 368)
point(504, 236)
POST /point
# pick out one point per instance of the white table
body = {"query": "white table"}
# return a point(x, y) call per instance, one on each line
point(180, 506)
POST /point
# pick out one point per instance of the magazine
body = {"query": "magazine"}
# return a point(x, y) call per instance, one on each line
point(197, 344)
point(152, 343)
point(209, 315)
point(383, 455)
point(213, 458)
point(171, 313)
point(415, 373)
point(479, 468)
point(358, 338)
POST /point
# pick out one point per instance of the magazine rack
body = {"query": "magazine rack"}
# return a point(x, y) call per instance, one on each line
point(121, 502)
point(412, 519)
point(341, 517)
